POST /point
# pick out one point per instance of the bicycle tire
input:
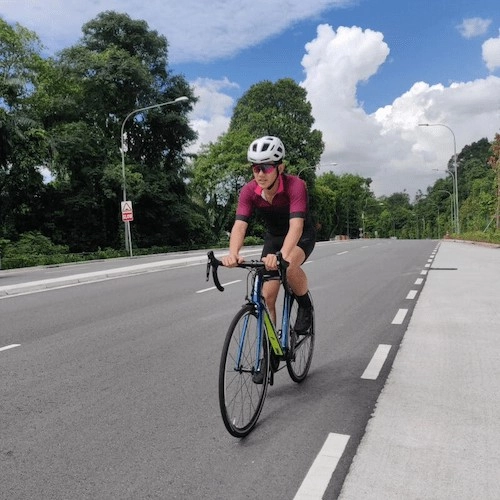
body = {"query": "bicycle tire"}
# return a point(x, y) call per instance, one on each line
point(240, 398)
point(301, 348)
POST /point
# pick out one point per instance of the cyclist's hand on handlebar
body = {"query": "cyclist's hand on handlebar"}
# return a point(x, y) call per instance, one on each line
point(271, 262)
point(232, 260)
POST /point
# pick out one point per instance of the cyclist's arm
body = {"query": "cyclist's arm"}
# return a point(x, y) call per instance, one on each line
point(236, 243)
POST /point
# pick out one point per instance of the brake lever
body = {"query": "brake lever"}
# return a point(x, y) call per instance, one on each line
point(214, 264)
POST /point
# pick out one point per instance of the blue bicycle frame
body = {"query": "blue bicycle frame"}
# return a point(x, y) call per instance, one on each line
point(279, 343)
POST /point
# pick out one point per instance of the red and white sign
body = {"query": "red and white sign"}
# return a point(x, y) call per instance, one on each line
point(127, 212)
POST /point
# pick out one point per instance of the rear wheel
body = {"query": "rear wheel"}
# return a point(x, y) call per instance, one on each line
point(240, 398)
point(301, 349)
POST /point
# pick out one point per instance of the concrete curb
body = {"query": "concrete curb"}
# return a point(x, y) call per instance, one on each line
point(479, 243)
point(118, 272)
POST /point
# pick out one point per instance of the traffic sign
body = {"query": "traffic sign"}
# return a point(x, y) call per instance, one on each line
point(127, 212)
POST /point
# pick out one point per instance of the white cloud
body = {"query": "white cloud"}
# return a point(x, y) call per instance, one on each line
point(474, 26)
point(211, 114)
point(229, 25)
point(491, 53)
point(388, 145)
point(334, 63)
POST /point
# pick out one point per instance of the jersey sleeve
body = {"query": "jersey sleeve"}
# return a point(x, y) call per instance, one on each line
point(245, 205)
point(298, 198)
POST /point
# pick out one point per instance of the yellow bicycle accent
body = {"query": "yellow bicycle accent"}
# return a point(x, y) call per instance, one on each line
point(271, 333)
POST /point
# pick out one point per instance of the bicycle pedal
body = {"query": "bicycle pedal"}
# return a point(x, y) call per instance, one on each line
point(258, 377)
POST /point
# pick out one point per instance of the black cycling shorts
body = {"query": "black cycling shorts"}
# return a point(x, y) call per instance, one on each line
point(273, 244)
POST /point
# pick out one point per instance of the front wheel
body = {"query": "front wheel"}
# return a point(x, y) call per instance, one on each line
point(301, 348)
point(241, 397)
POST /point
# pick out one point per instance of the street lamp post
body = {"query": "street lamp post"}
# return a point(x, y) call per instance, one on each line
point(451, 198)
point(314, 167)
point(128, 237)
point(453, 201)
point(455, 178)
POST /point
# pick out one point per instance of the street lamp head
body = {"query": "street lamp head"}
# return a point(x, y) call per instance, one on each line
point(423, 124)
point(181, 99)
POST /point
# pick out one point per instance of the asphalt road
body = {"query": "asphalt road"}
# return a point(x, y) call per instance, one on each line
point(109, 383)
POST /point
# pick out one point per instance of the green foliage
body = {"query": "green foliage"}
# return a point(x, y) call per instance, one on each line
point(492, 237)
point(253, 240)
point(341, 205)
point(33, 243)
point(73, 116)
point(325, 210)
point(218, 174)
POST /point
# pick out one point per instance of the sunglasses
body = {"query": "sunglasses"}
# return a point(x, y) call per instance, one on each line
point(266, 168)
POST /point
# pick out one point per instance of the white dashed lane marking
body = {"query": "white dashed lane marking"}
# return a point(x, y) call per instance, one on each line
point(316, 481)
point(400, 317)
point(377, 362)
point(11, 346)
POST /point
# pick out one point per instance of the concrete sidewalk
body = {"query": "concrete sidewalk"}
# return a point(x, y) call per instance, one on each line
point(435, 433)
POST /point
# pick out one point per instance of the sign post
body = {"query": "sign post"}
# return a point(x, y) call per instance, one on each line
point(127, 218)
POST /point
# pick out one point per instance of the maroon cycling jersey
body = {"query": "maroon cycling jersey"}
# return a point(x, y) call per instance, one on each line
point(290, 201)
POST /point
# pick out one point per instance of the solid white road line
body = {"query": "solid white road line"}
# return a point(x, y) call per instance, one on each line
point(215, 288)
point(400, 317)
point(377, 362)
point(11, 346)
point(316, 481)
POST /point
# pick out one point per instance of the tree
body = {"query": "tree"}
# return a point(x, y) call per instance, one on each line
point(219, 172)
point(326, 209)
point(21, 137)
point(397, 216)
point(118, 66)
point(494, 162)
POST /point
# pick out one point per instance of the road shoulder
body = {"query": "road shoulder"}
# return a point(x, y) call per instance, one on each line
point(435, 432)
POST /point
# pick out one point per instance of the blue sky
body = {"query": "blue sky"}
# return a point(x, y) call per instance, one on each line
point(423, 38)
point(373, 69)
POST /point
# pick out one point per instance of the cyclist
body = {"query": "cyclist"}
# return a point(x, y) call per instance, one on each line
point(281, 200)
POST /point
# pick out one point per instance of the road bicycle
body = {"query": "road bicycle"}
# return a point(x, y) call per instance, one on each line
point(254, 348)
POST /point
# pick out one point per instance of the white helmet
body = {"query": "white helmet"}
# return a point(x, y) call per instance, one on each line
point(267, 149)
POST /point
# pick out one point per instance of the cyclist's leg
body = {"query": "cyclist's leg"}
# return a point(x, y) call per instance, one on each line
point(270, 290)
point(296, 276)
point(299, 284)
